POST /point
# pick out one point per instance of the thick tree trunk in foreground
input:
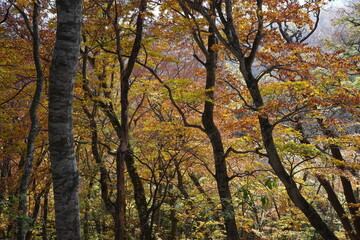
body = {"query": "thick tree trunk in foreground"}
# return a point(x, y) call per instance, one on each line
point(61, 86)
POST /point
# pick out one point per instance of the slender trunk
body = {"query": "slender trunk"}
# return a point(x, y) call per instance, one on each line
point(173, 219)
point(156, 216)
point(196, 182)
point(346, 184)
point(333, 199)
point(140, 197)
point(120, 206)
point(276, 164)
point(188, 206)
point(121, 127)
point(124, 151)
point(35, 214)
point(120, 159)
point(5, 172)
point(214, 135)
point(104, 175)
point(228, 36)
point(87, 208)
point(45, 218)
point(61, 86)
point(24, 183)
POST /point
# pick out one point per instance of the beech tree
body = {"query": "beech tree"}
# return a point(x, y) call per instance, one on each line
point(61, 86)
point(190, 120)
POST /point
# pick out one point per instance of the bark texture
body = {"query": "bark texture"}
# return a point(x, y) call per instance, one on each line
point(290, 185)
point(61, 86)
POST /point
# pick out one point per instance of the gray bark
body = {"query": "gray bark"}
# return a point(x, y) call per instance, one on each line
point(61, 86)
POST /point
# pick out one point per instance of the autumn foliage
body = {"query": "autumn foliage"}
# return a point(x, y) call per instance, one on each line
point(192, 120)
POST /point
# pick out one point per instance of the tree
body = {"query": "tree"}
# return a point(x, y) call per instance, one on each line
point(34, 30)
point(346, 36)
point(61, 86)
point(192, 120)
point(249, 50)
point(208, 123)
point(26, 16)
point(124, 156)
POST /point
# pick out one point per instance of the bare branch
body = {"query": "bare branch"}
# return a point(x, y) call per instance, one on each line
point(16, 94)
point(6, 14)
point(256, 151)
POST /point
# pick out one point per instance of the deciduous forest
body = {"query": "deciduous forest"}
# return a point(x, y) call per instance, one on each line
point(179, 119)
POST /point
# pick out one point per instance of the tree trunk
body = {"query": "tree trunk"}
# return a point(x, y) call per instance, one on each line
point(30, 148)
point(120, 206)
point(173, 219)
point(61, 87)
point(125, 155)
point(232, 43)
point(276, 164)
point(346, 183)
point(335, 203)
point(44, 232)
point(332, 197)
point(140, 197)
point(5, 172)
point(214, 135)
point(104, 174)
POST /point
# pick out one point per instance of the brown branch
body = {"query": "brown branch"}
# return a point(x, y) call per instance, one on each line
point(257, 151)
point(247, 173)
point(16, 94)
point(179, 110)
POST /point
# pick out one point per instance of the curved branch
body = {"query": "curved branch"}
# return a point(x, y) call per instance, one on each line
point(257, 151)
point(240, 96)
point(16, 94)
point(26, 19)
point(182, 114)
point(6, 14)
point(317, 15)
point(259, 34)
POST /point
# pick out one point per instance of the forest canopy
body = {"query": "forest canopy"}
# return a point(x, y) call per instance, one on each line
point(179, 119)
